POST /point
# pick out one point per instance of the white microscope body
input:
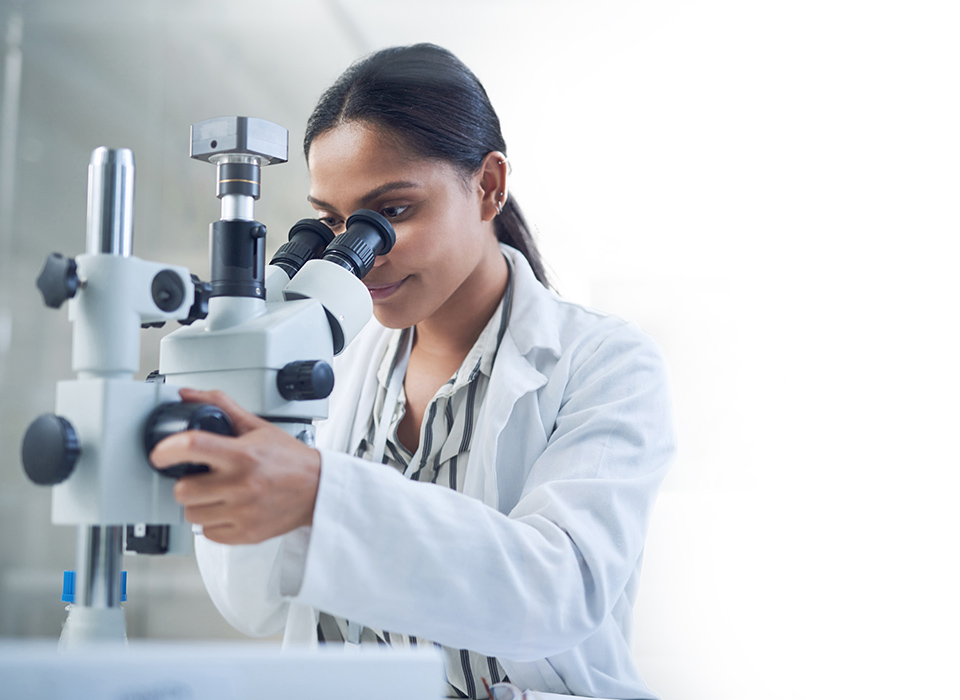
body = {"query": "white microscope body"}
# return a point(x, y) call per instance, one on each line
point(266, 338)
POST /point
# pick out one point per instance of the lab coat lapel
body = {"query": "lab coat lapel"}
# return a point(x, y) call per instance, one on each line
point(368, 395)
point(533, 324)
point(348, 421)
point(512, 378)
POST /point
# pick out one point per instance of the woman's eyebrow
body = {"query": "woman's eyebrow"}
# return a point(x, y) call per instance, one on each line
point(372, 194)
point(389, 187)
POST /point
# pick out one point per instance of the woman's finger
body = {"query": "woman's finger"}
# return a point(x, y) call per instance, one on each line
point(243, 420)
point(224, 534)
point(219, 452)
point(209, 515)
point(207, 488)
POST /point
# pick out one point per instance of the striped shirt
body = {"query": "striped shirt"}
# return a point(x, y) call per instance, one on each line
point(441, 458)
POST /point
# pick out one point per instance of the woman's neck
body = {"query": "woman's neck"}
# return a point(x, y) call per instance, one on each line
point(454, 328)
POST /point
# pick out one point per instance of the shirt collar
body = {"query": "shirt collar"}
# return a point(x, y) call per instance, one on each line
point(396, 347)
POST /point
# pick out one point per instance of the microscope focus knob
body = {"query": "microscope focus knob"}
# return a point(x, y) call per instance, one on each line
point(201, 301)
point(50, 450)
point(58, 280)
point(305, 380)
point(176, 416)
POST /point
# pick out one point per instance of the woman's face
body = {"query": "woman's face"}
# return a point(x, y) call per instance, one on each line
point(442, 238)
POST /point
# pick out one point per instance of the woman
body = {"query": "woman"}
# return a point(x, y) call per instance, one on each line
point(545, 424)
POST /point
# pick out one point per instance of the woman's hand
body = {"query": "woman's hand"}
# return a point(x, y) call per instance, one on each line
point(261, 484)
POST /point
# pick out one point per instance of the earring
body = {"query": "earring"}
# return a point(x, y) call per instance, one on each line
point(500, 203)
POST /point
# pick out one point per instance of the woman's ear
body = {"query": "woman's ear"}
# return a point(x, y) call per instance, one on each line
point(492, 185)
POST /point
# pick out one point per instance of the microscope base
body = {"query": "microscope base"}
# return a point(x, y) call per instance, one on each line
point(85, 626)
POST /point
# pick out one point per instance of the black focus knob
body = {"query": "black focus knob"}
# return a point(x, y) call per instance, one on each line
point(58, 280)
point(167, 290)
point(305, 380)
point(201, 301)
point(174, 417)
point(50, 450)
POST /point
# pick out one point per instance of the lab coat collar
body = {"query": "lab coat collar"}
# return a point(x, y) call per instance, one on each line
point(535, 318)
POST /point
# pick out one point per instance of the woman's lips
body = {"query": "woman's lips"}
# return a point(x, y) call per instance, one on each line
point(382, 291)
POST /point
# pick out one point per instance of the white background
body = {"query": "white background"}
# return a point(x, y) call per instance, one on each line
point(771, 189)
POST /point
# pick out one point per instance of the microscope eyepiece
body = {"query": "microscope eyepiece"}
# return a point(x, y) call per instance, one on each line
point(307, 240)
point(368, 235)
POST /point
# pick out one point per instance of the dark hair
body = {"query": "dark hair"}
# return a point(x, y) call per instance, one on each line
point(436, 106)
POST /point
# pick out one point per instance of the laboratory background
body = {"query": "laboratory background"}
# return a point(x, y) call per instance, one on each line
point(772, 189)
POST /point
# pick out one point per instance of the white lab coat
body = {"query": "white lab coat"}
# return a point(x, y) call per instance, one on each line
point(537, 562)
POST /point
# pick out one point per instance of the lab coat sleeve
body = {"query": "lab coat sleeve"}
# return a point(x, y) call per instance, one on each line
point(244, 581)
point(429, 561)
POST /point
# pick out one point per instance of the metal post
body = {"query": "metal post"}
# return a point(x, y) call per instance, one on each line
point(110, 202)
point(99, 561)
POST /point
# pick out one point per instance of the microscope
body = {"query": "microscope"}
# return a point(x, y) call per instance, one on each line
point(263, 333)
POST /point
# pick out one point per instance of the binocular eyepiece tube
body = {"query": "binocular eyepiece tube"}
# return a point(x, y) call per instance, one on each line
point(307, 239)
point(367, 235)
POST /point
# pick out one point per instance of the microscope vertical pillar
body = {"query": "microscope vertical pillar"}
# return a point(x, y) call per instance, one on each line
point(110, 202)
point(99, 553)
point(95, 614)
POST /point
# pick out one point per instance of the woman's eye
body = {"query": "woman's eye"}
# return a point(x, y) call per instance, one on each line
point(393, 212)
point(331, 221)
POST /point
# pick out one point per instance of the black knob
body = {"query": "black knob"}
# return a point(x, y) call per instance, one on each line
point(201, 301)
point(174, 417)
point(305, 380)
point(58, 280)
point(167, 290)
point(50, 450)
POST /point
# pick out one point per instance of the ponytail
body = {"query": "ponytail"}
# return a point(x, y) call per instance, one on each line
point(513, 230)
